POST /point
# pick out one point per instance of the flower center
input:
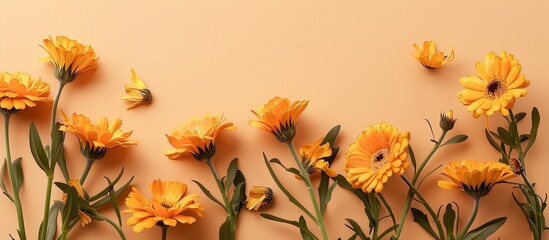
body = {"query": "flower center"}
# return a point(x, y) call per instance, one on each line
point(495, 89)
point(166, 204)
point(379, 158)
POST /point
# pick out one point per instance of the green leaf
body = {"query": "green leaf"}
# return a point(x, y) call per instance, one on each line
point(487, 229)
point(303, 223)
point(328, 196)
point(293, 223)
point(534, 130)
point(37, 150)
point(519, 116)
point(208, 193)
point(422, 219)
point(107, 189)
point(225, 231)
point(355, 227)
point(323, 190)
point(106, 199)
point(491, 140)
point(70, 209)
point(3, 183)
point(18, 175)
point(456, 139)
point(55, 208)
point(412, 156)
point(290, 170)
point(114, 203)
point(231, 174)
point(331, 136)
point(505, 137)
point(237, 199)
point(58, 151)
point(448, 219)
point(387, 231)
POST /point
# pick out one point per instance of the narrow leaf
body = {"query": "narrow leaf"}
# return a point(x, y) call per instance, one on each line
point(491, 140)
point(422, 219)
point(237, 200)
point(412, 156)
point(231, 174)
point(487, 229)
point(70, 208)
point(208, 193)
point(331, 135)
point(505, 137)
point(356, 228)
point(448, 219)
point(323, 190)
point(456, 139)
point(3, 183)
point(114, 203)
point(225, 231)
point(106, 199)
point(37, 150)
point(107, 189)
point(18, 175)
point(55, 208)
point(534, 130)
point(293, 223)
point(303, 224)
point(290, 170)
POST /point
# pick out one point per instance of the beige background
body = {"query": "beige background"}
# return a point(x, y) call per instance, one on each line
point(351, 59)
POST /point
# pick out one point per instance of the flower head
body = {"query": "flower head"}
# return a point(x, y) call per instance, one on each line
point(377, 153)
point(475, 178)
point(197, 137)
point(19, 91)
point(447, 120)
point(259, 197)
point(314, 157)
point(138, 93)
point(69, 58)
point(495, 90)
point(96, 139)
point(279, 117)
point(429, 58)
point(169, 205)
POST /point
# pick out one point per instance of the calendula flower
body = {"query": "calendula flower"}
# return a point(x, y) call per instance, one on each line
point(197, 137)
point(429, 58)
point(138, 93)
point(379, 152)
point(258, 197)
point(19, 91)
point(96, 139)
point(495, 90)
point(475, 178)
point(313, 157)
point(69, 57)
point(169, 205)
point(279, 117)
point(447, 120)
point(84, 218)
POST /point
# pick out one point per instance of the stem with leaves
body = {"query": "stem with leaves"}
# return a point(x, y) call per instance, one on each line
point(227, 205)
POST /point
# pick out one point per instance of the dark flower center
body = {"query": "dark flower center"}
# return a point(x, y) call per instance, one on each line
point(379, 158)
point(495, 89)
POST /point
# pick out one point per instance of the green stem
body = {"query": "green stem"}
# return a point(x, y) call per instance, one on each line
point(228, 207)
point(426, 205)
point(13, 178)
point(537, 208)
point(89, 164)
point(305, 175)
point(54, 107)
point(164, 232)
point(471, 219)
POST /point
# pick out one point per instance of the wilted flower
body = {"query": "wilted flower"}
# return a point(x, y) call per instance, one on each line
point(279, 117)
point(138, 93)
point(259, 197)
point(69, 58)
point(429, 58)
point(313, 157)
point(19, 91)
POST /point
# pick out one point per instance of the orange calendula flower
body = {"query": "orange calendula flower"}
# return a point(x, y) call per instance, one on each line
point(500, 83)
point(379, 152)
point(169, 205)
point(197, 137)
point(96, 139)
point(138, 93)
point(259, 197)
point(69, 58)
point(314, 155)
point(429, 58)
point(19, 91)
point(279, 117)
point(475, 178)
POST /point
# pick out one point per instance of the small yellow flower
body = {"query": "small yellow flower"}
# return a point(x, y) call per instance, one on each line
point(314, 155)
point(500, 83)
point(475, 178)
point(69, 58)
point(84, 218)
point(19, 91)
point(279, 117)
point(429, 58)
point(197, 137)
point(96, 139)
point(377, 153)
point(259, 197)
point(169, 205)
point(138, 93)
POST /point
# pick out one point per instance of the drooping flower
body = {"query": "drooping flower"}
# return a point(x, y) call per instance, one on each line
point(138, 93)
point(69, 57)
point(169, 205)
point(500, 83)
point(475, 178)
point(279, 117)
point(197, 137)
point(19, 91)
point(379, 152)
point(84, 218)
point(429, 58)
point(314, 157)
point(258, 197)
point(96, 139)
point(447, 120)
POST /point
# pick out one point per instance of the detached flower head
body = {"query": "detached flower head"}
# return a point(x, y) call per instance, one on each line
point(429, 58)
point(279, 117)
point(138, 93)
point(169, 205)
point(314, 155)
point(497, 87)
point(259, 197)
point(475, 178)
point(69, 58)
point(96, 139)
point(377, 153)
point(197, 137)
point(19, 91)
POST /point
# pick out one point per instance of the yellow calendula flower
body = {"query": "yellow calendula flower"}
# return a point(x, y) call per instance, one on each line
point(495, 90)
point(68, 57)
point(379, 152)
point(169, 204)
point(429, 57)
point(258, 197)
point(313, 157)
point(96, 139)
point(475, 178)
point(19, 91)
point(197, 137)
point(279, 117)
point(84, 218)
point(138, 93)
